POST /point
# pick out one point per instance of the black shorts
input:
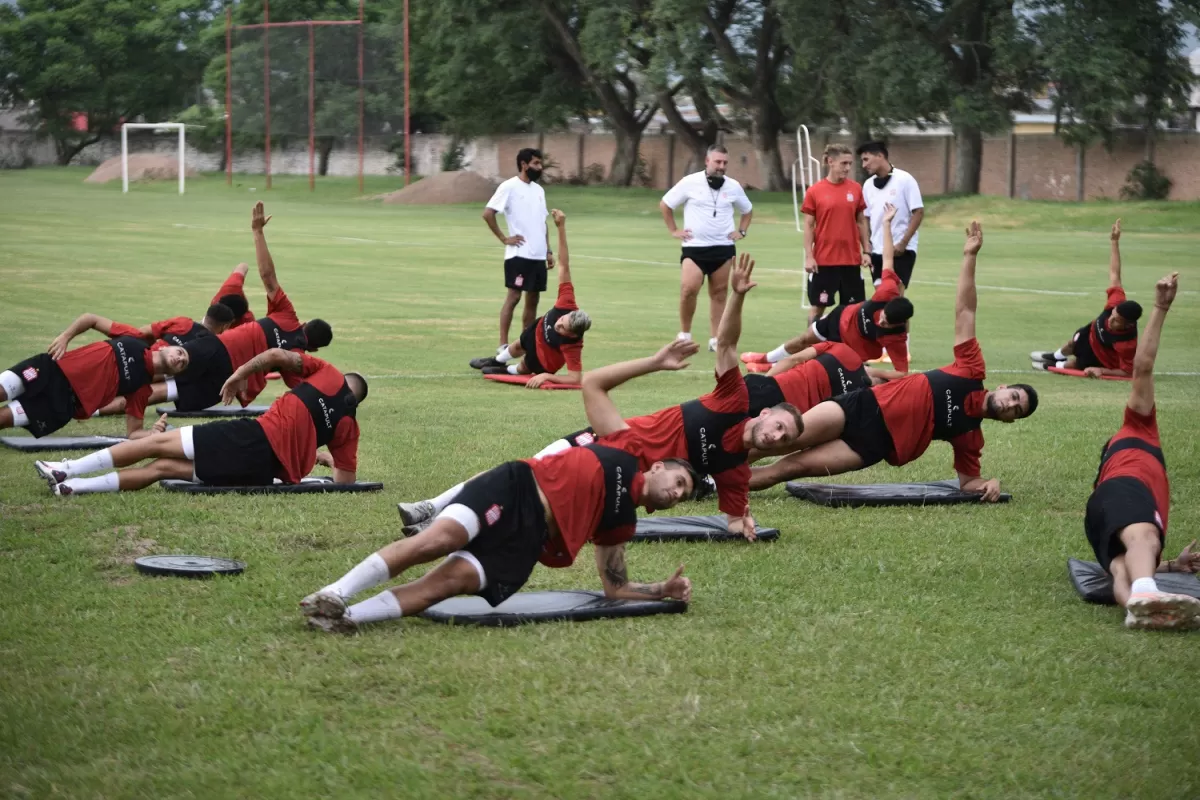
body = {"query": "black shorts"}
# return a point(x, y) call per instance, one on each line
point(764, 393)
point(48, 399)
point(846, 282)
point(512, 527)
point(529, 345)
point(709, 259)
point(525, 274)
point(903, 263)
point(234, 453)
point(1114, 505)
point(866, 433)
point(829, 327)
point(1084, 356)
point(199, 386)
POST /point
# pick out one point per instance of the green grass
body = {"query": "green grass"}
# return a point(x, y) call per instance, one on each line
point(872, 653)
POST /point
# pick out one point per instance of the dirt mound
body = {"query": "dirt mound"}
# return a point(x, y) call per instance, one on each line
point(444, 188)
point(142, 167)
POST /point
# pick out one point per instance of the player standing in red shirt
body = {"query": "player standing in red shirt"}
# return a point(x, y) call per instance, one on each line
point(1126, 521)
point(553, 340)
point(282, 443)
point(897, 421)
point(837, 236)
point(1106, 345)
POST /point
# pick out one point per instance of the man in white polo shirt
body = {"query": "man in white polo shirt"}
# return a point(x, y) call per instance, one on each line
point(527, 246)
point(708, 198)
point(887, 184)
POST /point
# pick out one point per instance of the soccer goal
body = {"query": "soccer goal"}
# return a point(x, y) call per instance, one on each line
point(806, 170)
point(157, 127)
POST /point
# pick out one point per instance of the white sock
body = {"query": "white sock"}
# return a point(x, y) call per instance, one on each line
point(375, 609)
point(504, 356)
point(1142, 585)
point(372, 571)
point(110, 482)
point(778, 354)
point(101, 459)
point(446, 498)
point(1058, 355)
point(501, 347)
point(684, 336)
point(12, 384)
point(514, 369)
point(20, 419)
point(712, 341)
point(1060, 364)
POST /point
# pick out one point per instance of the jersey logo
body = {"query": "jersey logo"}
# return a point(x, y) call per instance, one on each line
point(950, 408)
point(493, 514)
point(584, 439)
point(29, 374)
point(849, 197)
point(520, 281)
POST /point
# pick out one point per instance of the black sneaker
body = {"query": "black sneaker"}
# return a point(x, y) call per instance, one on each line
point(486, 361)
point(498, 369)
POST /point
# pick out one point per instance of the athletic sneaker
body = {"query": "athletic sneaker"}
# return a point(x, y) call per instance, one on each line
point(413, 530)
point(712, 345)
point(756, 367)
point(754, 358)
point(61, 489)
point(499, 369)
point(1042, 365)
point(412, 513)
point(339, 625)
point(1162, 611)
point(1043, 355)
point(50, 471)
point(486, 361)
point(323, 604)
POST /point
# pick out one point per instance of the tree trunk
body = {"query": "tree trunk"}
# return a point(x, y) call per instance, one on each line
point(625, 157)
point(693, 140)
point(324, 148)
point(968, 159)
point(65, 148)
point(770, 162)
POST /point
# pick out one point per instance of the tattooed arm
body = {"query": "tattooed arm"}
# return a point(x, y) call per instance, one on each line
point(274, 359)
point(610, 562)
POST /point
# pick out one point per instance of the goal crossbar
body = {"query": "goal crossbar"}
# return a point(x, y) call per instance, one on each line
point(125, 127)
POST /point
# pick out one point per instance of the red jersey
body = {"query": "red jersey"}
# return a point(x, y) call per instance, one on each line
point(293, 435)
point(1134, 463)
point(573, 483)
point(553, 349)
point(805, 385)
point(908, 409)
point(835, 207)
point(235, 284)
point(858, 318)
point(92, 372)
point(1113, 354)
point(246, 341)
point(175, 331)
point(661, 435)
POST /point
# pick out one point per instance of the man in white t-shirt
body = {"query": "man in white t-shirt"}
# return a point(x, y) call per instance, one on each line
point(708, 199)
point(886, 184)
point(527, 246)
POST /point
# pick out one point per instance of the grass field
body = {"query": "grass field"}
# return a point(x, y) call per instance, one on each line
point(871, 653)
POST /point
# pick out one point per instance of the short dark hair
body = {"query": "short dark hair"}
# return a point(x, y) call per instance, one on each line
point(1031, 393)
point(697, 478)
point(872, 147)
point(318, 333)
point(716, 148)
point(235, 303)
point(361, 382)
point(1130, 310)
point(898, 310)
point(527, 154)
point(219, 313)
point(795, 412)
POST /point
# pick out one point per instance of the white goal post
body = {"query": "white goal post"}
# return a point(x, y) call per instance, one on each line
point(807, 169)
point(157, 126)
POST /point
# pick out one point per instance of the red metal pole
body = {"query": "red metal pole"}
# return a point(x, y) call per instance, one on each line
point(407, 125)
point(312, 66)
point(360, 96)
point(267, 85)
point(228, 96)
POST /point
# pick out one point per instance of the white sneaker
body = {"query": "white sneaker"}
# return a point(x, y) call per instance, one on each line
point(51, 471)
point(1042, 365)
point(413, 513)
point(1162, 611)
point(323, 604)
point(683, 337)
point(712, 345)
point(61, 489)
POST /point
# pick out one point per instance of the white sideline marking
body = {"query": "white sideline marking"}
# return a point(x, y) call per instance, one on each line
point(1031, 371)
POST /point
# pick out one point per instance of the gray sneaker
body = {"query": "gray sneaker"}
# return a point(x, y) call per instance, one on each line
point(413, 513)
point(413, 530)
point(323, 604)
point(1162, 611)
point(339, 625)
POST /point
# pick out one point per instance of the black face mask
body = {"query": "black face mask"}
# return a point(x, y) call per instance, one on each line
point(715, 181)
point(533, 174)
point(882, 182)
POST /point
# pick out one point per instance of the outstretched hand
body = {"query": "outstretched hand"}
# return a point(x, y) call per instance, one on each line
point(739, 279)
point(230, 390)
point(974, 241)
point(258, 218)
point(1164, 291)
point(990, 491)
point(678, 587)
point(889, 212)
point(1187, 561)
point(675, 355)
point(161, 425)
point(560, 218)
point(1115, 234)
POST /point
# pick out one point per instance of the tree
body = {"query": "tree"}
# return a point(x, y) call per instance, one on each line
point(86, 66)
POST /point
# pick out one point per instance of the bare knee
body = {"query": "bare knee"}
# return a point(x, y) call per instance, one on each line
point(1141, 537)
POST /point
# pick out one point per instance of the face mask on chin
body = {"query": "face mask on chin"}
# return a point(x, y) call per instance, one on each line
point(533, 174)
point(715, 181)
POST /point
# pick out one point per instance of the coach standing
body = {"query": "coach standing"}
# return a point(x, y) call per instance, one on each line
point(527, 246)
point(708, 199)
point(837, 240)
point(887, 184)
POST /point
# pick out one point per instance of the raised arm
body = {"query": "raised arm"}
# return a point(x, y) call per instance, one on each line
point(1114, 256)
point(266, 267)
point(610, 563)
point(84, 322)
point(273, 360)
point(966, 300)
point(564, 267)
point(1141, 397)
point(730, 328)
point(602, 413)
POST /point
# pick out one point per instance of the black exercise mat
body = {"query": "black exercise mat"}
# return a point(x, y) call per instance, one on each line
point(1095, 585)
point(936, 493)
point(215, 412)
point(321, 485)
point(557, 606)
point(50, 444)
point(694, 529)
